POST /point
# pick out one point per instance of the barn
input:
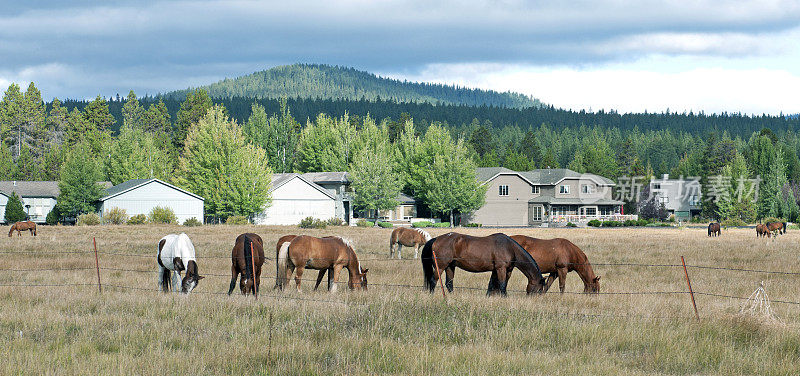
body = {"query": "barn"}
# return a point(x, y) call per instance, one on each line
point(294, 197)
point(140, 196)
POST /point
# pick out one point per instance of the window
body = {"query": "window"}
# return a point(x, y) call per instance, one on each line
point(656, 185)
point(503, 190)
point(586, 188)
point(695, 200)
point(590, 212)
point(663, 200)
point(563, 189)
point(535, 189)
point(537, 213)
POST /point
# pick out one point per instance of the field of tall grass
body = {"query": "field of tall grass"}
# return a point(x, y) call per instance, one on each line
point(56, 321)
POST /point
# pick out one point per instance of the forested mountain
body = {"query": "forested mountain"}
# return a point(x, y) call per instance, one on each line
point(316, 81)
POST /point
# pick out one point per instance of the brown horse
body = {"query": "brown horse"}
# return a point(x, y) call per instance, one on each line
point(242, 260)
point(776, 228)
point(714, 229)
point(558, 257)
point(22, 226)
point(330, 253)
point(288, 239)
point(761, 230)
point(496, 253)
point(404, 236)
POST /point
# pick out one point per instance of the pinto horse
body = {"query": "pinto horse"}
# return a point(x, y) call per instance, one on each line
point(248, 248)
point(558, 257)
point(403, 236)
point(776, 228)
point(496, 253)
point(761, 230)
point(176, 254)
point(714, 229)
point(329, 254)
point(19, 227)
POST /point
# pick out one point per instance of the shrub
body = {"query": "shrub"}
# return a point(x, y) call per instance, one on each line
point(385, 224)
point(630, 223)
point(192, 222)
point(162, 214)
point(772, 219)
point(422, 224)
point(237, 220)
point(88, 219)
point(14, 210)
point(595, 223)
point(335, 222)
point(364, 223)
point(53, 216)
point(658, 224)
point(138, 219)
point(473, 225)
point(311, 222)
point(642, 222)
point(570, 224)
point(612, 224)
point(115, 216)
point(733, 222)
point(442, 224)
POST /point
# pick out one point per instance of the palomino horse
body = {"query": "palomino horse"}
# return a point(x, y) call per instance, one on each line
point(22, 226)
point(761, 230)
point(776, 228)
point(288, 239)
point(559, 257)
point(496, 253)
point(403, 236)
point(249, 248)
point(176, 254)
point(714, 229)
point(330, 253)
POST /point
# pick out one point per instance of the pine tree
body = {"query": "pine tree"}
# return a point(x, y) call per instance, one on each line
point(57, 122)
point(132, 112)
point(135, 154)
point(194, 108)
point(98, 120)
point(14, 210)
point(12, 110)
point(530, 148)
point(78, 185)
point(277, 135)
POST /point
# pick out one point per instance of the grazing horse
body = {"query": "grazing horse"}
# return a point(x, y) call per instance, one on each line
point(22, 226)
point(776, 228)
point(329, 253)
point(288, 239)
point(496, 253)
point(558, 257)
point(714, 229)
point(176, 254)
point(761, 230)
point(248, 248)
point(404, 236)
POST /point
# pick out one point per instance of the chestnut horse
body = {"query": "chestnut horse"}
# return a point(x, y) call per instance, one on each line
point(496, 253)
point(288, 239)
point(242, 263)
point(761, 230)
point(23, 226)
point(330, 253)
point(558, 257)
point(409, 237)
point(714, 229)
point(776, 228)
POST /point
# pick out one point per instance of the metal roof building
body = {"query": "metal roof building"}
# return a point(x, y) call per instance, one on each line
point(140, 196)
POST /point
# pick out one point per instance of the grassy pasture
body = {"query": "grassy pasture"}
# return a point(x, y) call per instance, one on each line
point(396, 329)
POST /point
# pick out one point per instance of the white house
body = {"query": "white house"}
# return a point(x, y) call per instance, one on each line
point(38, 197)
point(140, 196)
point(294, 197)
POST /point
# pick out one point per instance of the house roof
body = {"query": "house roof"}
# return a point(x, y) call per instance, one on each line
point(136, 183)
point(573, 201)
point(406, 199)
point(328, 177)
point(547, 176)
point(30, 188)
point(280, 179)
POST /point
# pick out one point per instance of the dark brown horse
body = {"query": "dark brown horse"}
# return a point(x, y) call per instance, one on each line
point(22, 226)
point(496, 253)
point(330, 253)
point(409, 237)
point(242, 262)
point(558, 257)
point(776, 228)
point(761, 230)
point(714, 229)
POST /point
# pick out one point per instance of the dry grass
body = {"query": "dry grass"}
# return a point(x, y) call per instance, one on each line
point(400, 330)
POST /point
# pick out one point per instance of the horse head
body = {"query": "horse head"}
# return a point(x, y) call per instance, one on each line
point(192, 278)
point(593, 286)
point(535, 286)
point(358, 280)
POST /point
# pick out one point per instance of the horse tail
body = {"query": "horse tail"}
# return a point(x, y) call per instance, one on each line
point(248, 257)
point(784, 227)
point(281, 261)
point(427, 265)
point(11, 231)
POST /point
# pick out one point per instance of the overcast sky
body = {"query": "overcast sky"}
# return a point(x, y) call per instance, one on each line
point(711, 56)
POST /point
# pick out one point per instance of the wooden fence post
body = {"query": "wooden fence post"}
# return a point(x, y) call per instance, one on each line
point(691, 293)
point(253, 262)
point(436, 264)
point(97, 265)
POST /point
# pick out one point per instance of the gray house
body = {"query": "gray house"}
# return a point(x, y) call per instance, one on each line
point(545, 197)
point(38, 197)
point(140, 196)
point(681, 197)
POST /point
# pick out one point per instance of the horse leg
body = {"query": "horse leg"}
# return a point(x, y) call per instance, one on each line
point(234, 274)
point(492, 284)
point(163, 279)
point(319, 278)
point(336, 270)
point(550, 279)
point(289, 271)
point(450, 272)
point(399, 251)
point(330, 279)
point(176, 282)
point(501, 280)
point(391, 250)
point(298, 276)
point(562, 278)
point(416, 250)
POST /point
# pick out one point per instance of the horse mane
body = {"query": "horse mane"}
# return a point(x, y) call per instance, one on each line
point(528, 258)
point(346, 242)
point(424, 233)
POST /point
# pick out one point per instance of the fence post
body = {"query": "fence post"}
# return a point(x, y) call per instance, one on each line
point(253, 263)
point(97, 265)
point(436, 264)
point(691, 293)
